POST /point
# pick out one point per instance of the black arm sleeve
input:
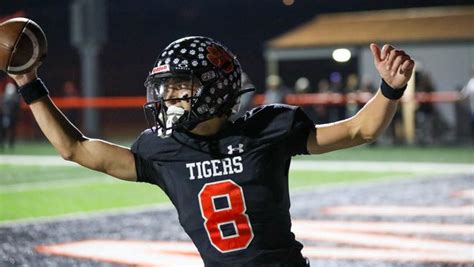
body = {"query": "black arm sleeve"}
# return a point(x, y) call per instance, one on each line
point(279, 123)
point(147, 171)
point(298, 133)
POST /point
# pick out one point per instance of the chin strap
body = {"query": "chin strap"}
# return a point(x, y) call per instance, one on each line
point(244, 91)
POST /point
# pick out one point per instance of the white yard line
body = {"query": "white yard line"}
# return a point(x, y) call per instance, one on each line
point(54, 184)
point(382, 166)
point(35, 160)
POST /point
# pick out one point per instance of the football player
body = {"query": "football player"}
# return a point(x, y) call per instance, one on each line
point(227, 179)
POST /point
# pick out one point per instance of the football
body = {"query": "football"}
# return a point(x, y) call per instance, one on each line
point(23, 45)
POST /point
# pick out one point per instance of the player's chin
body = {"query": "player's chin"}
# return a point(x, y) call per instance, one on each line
point(183, 105)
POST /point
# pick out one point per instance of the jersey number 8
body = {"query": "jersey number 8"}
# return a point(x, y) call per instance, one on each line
point(223, 210)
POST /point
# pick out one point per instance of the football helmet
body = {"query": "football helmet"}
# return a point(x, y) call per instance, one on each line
point(193, 79)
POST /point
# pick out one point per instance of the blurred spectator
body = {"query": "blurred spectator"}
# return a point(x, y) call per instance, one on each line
point(322, 115)
point(246, 100)
point(70, 90)
point(276, 91)
point(9, 111)
point(352, 86)
point(424, 116)
point(336, 112)
point(367, 85)
point(323, 86)
point(468, 93)
point(303, 86)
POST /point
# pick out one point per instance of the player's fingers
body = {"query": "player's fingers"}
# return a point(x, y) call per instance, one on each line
point(391, 58)
point(376, 52)
point(397, 62)
point(22, 79)
point(386, 51)
point(407, 66)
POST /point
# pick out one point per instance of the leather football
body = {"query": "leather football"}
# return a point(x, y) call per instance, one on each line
point(23, 45)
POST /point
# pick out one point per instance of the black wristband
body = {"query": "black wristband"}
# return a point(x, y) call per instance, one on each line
point(391, 93)
point(33, 91)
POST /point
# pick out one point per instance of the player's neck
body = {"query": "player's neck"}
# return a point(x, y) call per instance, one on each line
point(209, 127)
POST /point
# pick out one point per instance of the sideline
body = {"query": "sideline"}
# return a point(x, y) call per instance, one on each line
point(35, 160)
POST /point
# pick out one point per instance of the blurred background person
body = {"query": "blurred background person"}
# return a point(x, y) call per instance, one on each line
point(303, 86)
point(322, 115)
point(275, 91)
point(70, 90)
point(352, 86)
point(10, 103)
point(336, 112)
point(424, 115)
point(366, 86)
point(467, 93)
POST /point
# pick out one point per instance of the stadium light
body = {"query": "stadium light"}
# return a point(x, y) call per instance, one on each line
point(341, 55)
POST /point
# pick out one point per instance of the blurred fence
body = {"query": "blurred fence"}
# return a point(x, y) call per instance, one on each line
point(123, 116)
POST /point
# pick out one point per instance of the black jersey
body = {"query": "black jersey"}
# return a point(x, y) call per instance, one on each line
point(231, 190)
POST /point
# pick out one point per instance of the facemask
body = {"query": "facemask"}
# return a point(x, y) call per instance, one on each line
point(173, 114)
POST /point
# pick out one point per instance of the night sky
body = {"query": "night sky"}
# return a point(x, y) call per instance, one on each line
point(138, 30)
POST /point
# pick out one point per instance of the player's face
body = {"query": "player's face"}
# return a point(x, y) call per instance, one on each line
point(174, 91)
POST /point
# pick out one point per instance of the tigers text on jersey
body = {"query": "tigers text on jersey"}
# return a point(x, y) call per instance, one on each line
point(214, 167)
point(231, 189)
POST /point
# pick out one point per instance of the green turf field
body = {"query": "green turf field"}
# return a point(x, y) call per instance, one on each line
point(401, 153)
point(35, 191)
point(302, 179)
point(69, 198)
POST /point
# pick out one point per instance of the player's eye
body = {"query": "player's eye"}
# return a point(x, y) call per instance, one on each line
point(181, 85)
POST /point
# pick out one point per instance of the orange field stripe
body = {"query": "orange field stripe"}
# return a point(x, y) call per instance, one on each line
point(464, 194)
point(136, 253)
point(163, 253)
point(383, 241)
point(181, 253)
point(386, 255)
point(400, 211)
point(385, 227)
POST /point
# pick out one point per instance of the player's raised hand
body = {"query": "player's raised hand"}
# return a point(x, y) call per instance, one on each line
point(22, 79)
point(393, 65)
